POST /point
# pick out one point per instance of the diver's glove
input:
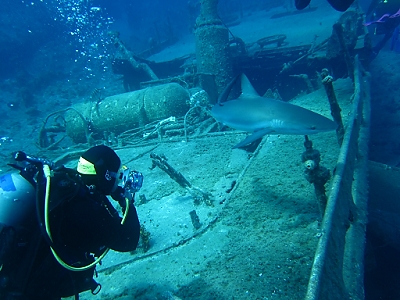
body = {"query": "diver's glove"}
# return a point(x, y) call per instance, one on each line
point(131, 183)
point(120, 195)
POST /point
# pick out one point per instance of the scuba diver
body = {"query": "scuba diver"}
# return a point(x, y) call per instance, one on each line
point(339, 5)
point(385, 14)
point(49, 246)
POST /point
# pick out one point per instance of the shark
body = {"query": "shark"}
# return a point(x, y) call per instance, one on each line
point(261, 116)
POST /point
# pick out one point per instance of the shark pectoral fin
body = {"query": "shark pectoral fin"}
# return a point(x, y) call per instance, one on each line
point(255, 136)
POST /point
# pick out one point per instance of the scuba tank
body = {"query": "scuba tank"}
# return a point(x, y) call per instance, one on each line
point(18, 193)
point(17, 219)
point(17, 200)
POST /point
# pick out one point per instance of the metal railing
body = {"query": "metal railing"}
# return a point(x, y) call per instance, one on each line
point(337, 271)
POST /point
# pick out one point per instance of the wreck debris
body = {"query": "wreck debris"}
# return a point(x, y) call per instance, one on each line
point(273, 94)
point(198, 194)
point(128, 55)
point(215, 59)
point(315, 173)
point(306, 79)
point(335, 108)
point(339, 32)
point(287, 66)
point(122, 112)
point(47, 142)
point(144, 238)
point(195, 219)
point(278, 39)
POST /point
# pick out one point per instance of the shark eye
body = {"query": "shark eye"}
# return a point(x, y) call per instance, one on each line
point(313, 127)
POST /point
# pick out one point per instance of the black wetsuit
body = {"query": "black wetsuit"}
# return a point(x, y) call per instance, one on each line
point(81, 225)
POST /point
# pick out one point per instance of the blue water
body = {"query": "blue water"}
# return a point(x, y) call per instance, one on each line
point(81, 28)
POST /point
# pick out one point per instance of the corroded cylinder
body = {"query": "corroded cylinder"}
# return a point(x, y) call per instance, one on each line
point(209, 11)
point(212, 45)
point(122, 112)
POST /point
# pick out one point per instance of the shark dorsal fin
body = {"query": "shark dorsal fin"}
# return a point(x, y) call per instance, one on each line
point(248, 90)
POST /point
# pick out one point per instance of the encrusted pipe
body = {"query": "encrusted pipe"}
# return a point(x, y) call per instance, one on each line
point(327, 80)
point(350, 67)
point(195, 220)
point(198, 194)
point(315, 174)
point(212, 45)
point(128, 55)
point(125, 111)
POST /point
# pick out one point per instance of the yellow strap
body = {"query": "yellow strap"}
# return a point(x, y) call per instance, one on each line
point(47, 173)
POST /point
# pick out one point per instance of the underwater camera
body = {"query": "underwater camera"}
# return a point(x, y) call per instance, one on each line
point(131, 181)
